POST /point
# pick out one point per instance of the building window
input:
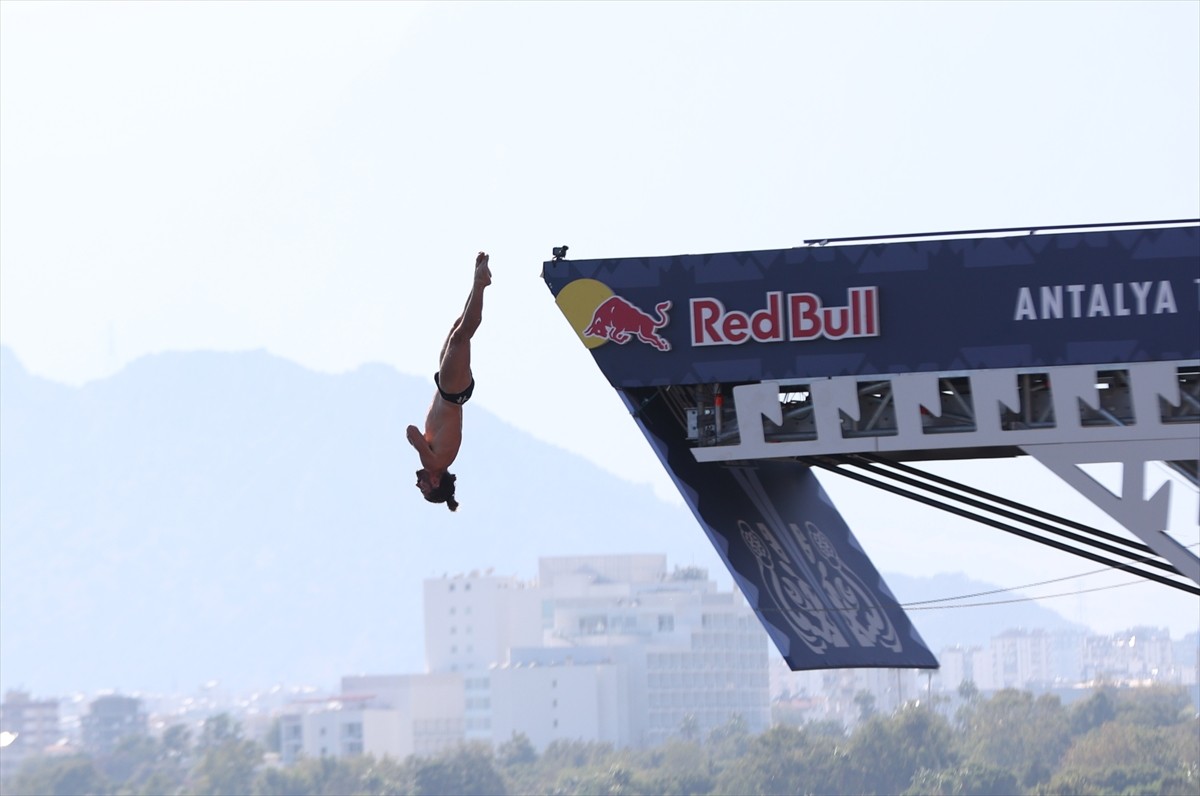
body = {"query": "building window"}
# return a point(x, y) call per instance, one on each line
point(593, 625)
point(666, 623)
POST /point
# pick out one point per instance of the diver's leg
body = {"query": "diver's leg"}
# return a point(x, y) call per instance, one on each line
point(454, 367)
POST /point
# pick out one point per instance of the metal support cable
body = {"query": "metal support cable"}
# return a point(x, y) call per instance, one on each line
point(1124, 566)
point(1135, 545)
point(1148, 556)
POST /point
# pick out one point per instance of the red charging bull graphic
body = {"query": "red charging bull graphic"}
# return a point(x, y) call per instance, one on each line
point(618, 320)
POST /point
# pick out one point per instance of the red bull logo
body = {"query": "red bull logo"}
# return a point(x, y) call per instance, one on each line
point(599, 316)
point(620, 321)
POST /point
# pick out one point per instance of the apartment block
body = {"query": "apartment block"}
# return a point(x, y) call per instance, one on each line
point(110, 720)
point(393, 715)
point(32, 726)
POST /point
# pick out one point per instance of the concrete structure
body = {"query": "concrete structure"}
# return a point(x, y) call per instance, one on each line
point(599, 648)
point(343, 727)
point(472, 621)
point(648, 651)
point(32, 725)
point(958, 666)
point(1016, 659)
point(111, 719)
point(1187, 659)
point(395, 715)
point(1135, 655)
point(576, 699)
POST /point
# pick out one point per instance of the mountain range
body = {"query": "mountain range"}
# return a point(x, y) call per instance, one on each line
point(234, 516)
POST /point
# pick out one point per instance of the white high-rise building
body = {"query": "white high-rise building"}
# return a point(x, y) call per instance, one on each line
point(32, 726)
point(1139, 654)
point(600, 648)
point(472, 621)
point(1016, 659)
point(585, 698)
point(645, 652)
point(956, 666)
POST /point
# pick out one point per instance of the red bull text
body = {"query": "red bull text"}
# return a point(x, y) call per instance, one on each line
point(806, 319)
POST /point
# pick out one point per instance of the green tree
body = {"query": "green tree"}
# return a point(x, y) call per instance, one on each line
point(1092, 712)
point(615, 780)
point(828, 727)
point(1155, 706)
point(1015, 731)
point(784, 760)
point(1118, 757)
point(1121, 781)
point(154, 768)
point(978, 779)
point(886, 752)
point(517, 751)
point(272, 741)
point(689, 728)
point(132, 756)
point(968, 691)
point(562, 761)
point(468, 770)
point(218, 729)
point(865, 701)
point(59, 776)
point(677, 768)
point(519, 764)
point(784, 713)
point(328, 776)
point(563, 755)
point(227, 762)
point(177, 741)
point(731, 739)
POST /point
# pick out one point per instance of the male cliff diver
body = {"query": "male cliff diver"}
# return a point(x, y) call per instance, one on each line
point(439, 445)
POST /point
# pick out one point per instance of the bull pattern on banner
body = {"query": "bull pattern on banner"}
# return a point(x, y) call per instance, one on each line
point(814, 588)
point(804, 609)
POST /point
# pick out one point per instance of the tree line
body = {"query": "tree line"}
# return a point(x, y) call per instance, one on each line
point(1127, 742)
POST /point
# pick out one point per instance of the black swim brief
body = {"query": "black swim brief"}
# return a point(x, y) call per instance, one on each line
point(459, 398)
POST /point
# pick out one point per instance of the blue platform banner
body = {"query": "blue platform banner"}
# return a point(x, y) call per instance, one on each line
point(813, 587)
point(1127, 295)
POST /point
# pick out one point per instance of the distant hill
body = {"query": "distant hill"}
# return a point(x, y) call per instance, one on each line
point(233, 516)
point(942, 624)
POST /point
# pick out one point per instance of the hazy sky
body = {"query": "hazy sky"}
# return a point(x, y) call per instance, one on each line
point(314, 179)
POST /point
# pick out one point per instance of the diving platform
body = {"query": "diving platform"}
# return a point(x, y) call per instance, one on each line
point(746, 370)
